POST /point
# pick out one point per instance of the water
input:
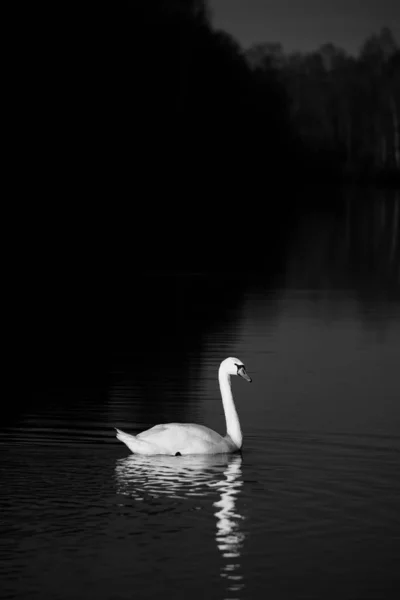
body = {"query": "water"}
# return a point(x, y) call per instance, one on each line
point(311, 507)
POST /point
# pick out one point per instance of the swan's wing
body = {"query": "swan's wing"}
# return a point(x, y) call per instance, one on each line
point(181, 437)
point(180, 429)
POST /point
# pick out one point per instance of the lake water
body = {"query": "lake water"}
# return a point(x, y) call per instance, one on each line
point(310, 509)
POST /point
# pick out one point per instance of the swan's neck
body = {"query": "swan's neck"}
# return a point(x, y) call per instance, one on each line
point(231, 416)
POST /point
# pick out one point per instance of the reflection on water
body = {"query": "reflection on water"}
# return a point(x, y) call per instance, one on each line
point(357, 249)
point(145, 477)
point(229, 536)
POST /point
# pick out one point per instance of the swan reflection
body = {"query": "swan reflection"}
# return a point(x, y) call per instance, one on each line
point(143, 477)
point(229, 536)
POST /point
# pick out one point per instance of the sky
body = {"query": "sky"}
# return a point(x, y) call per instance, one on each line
point(306, 24)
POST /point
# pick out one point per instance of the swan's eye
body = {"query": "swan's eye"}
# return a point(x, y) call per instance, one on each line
point(240, 367)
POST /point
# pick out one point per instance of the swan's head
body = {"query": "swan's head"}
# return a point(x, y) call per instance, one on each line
point(234, 366)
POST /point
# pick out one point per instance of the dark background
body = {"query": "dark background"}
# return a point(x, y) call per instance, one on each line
point(151, 143)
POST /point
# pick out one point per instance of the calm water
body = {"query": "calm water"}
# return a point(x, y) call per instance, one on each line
point(311, 507)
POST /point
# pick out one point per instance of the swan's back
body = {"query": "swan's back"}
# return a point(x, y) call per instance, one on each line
point(177, 436)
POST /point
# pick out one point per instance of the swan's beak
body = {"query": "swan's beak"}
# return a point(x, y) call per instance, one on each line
point(242, 373)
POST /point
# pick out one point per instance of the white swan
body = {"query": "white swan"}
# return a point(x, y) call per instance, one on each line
point(179, 438)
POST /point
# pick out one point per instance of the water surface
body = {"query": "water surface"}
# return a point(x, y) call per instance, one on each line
point(310, 509)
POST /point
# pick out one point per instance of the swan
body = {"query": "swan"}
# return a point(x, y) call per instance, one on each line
point(187, 438)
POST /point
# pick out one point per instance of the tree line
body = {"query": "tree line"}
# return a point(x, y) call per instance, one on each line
point(155, 87)
point(261, 113)
point(345, 109)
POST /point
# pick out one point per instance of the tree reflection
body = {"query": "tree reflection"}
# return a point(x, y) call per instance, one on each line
point(356, 248)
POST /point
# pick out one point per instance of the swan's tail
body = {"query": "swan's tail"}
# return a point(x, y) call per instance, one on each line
point(136, 446)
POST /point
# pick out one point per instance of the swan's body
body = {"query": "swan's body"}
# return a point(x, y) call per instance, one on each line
point(182, 438)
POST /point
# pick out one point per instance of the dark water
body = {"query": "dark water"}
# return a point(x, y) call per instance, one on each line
point(311, 507)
